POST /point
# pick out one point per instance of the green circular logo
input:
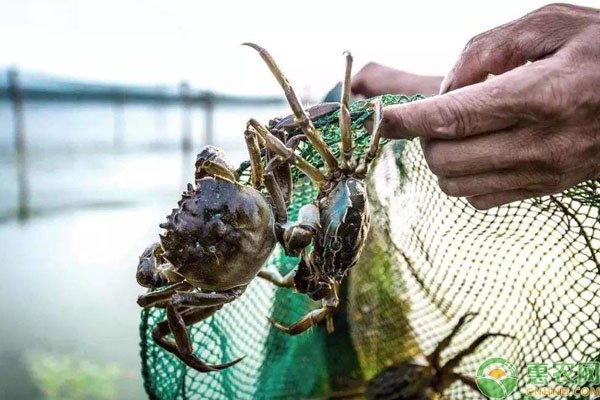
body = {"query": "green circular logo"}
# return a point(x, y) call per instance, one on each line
point(497, 378)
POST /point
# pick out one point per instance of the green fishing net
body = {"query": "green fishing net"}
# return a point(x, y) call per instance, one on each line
point(528, 269)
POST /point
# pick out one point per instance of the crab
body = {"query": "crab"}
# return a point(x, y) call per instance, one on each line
point(223, 231)
point(337, 222)
point(215, 243)
point(410, 381)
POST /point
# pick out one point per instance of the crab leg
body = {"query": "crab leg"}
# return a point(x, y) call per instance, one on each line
point(268, 176)
point(276, 146)
point(158, 298)
point(190, 317)
point(346, 145)
point(302, 119)
point(312, 318)
point(177, 322)
point(256, 166)
point(450, 365)
point(294, 238)
point(292, 143)
point(209, 167)
point(467, 380)
point(276, 197)
point(203, 299)
point(434, 357)
point(275, 277)
point(375, 138)
point(282, 173)
point(182, 346)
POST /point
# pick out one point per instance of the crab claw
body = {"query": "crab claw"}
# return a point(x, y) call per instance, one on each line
point(278, 326)
point(218, 367)
point(256, 47)
point(200, 366)
point(304, 323)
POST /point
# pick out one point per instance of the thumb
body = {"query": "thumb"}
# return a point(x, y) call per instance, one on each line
point(530, 38)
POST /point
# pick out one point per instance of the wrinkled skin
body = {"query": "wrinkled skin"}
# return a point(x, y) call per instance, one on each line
point(533, 128)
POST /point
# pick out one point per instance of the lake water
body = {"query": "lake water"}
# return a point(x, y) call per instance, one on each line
point(100, 179)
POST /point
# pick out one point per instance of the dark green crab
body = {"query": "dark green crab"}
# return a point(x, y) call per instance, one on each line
point(411, 381)
point(337, 222)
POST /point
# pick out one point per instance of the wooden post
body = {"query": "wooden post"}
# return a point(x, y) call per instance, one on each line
point(160, 122)
point(16, 96)
point(209, 110)
point(119, 123)
point(186, 118)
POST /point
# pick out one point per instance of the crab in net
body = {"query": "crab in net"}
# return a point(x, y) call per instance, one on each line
point(412, 381)
point(223, 231)
point(337, 222)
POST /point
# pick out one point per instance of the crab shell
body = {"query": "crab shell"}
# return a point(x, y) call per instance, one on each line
point(345, 221)
point(406, 381)
point(220, 235)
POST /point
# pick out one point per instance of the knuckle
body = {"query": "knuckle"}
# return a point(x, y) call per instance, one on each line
point(361, 78)
point(459, 122)
point(358, 83)
point(550, 97)
point(554, 8)
point(474, 46)
point(364, 71)
point(371, 65)
point(476, 42)
point(449, 120)
point(485, 46)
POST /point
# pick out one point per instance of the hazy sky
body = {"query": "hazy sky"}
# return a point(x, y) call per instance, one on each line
point(169, 41)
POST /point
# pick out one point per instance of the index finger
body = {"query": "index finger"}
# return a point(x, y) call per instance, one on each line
point(484, 107)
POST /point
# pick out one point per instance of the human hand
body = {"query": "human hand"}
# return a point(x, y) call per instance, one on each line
point(533, 129)
point(376, 79)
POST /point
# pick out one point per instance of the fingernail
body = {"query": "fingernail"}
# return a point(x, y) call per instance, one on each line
point(446, 83)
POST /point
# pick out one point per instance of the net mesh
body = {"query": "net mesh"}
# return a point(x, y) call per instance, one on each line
point(528, 269)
